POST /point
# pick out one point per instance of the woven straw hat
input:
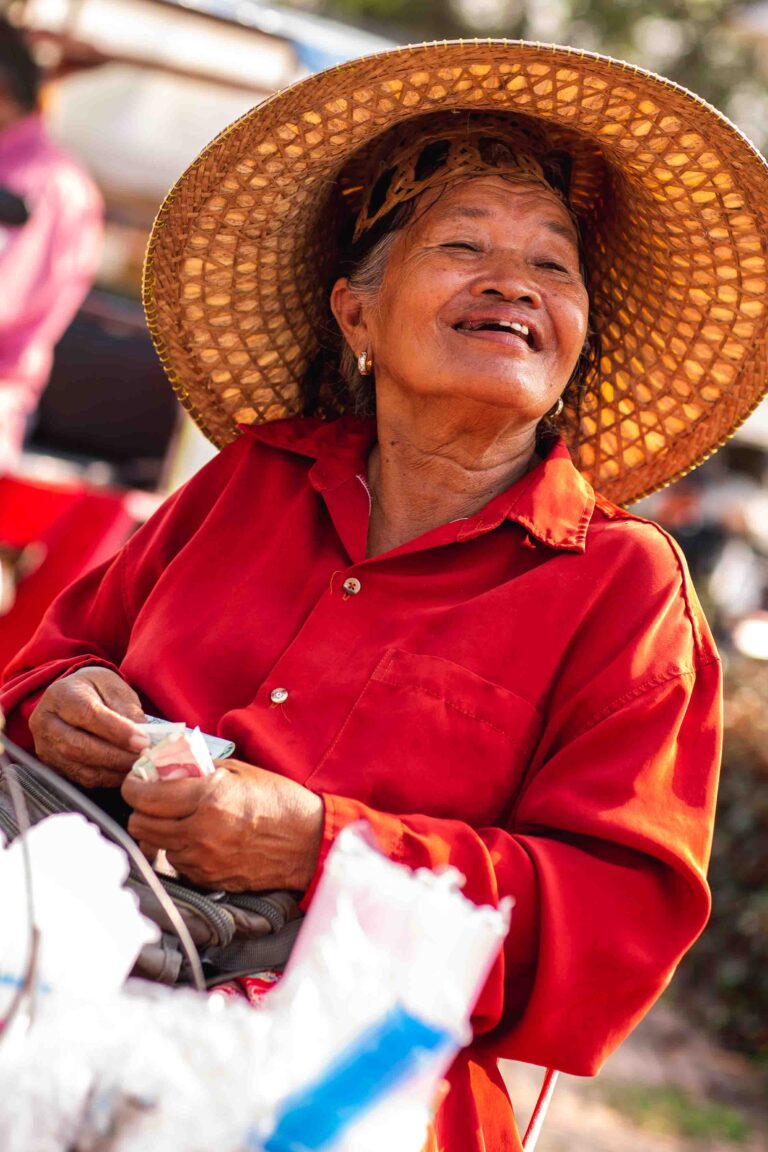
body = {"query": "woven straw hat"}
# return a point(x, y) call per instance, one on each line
point(673, 202)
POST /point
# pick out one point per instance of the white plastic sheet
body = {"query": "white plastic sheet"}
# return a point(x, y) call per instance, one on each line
point(90, 928)
point(145, 1069)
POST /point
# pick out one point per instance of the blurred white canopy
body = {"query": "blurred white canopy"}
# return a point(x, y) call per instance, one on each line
point(755, 430)
point(137, 130)
point(143, 85)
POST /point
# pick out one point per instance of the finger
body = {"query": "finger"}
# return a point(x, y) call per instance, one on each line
point(192, 874)
point(92, 777)
point(118, 695)
point(162, 833)
point(149, 851)
point(191, 869)
point(85, 776)
point(172, 799)
point(66, 747)
point(82, 707)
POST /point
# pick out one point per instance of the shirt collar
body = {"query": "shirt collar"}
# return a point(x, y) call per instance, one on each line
point(22, 135)
point(553, 502)
point(339, 447)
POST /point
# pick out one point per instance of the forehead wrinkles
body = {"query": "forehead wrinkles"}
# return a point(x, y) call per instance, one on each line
point(497, 200)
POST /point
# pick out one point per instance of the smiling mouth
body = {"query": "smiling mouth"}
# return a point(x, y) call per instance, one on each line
point(510, 327)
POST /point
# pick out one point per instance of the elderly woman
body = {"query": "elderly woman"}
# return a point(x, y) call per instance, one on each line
point(420, 612)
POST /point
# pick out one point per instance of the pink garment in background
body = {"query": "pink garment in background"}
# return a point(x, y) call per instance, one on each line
point(46, 268)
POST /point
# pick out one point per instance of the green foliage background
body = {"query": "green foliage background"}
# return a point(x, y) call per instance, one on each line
point(724, 980)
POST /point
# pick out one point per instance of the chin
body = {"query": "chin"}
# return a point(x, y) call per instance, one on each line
point(511, 397)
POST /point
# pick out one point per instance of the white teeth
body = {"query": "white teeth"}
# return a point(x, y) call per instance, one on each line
point(514, 326)
point(511, 325)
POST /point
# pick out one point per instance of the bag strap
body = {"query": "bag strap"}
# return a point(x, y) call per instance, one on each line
point(540, 1109)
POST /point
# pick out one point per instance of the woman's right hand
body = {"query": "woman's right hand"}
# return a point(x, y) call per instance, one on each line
point(84, 726)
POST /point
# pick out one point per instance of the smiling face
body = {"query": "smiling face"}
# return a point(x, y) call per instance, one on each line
point(482, 301)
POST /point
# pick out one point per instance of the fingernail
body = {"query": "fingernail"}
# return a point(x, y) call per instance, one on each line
point(138, 743)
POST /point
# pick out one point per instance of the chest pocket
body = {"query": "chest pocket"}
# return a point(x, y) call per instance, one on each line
point(429, 736)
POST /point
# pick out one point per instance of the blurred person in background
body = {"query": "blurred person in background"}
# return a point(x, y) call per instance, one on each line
point(719, 516)
point(50, 242)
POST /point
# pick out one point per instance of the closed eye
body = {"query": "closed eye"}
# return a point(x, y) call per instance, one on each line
point(554, 265)
point(465, 245)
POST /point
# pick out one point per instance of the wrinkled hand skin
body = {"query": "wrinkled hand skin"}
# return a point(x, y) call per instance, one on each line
point(84, 726)
point(241, 829)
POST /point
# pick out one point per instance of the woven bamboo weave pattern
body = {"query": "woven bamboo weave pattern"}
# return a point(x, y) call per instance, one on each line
point(461, 158)
point(673, 203)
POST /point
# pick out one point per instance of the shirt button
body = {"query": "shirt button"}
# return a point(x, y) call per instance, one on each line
point(351, 586)
point(278, 695)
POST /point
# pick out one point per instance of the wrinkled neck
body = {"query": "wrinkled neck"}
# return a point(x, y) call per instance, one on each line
point(421, 481)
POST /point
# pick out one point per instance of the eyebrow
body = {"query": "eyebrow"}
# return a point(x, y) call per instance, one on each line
point(475, 212)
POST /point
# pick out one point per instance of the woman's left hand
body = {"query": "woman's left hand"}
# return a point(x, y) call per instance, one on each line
point(241, 829)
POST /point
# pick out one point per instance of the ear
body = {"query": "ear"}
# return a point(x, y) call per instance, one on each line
point(350, 316)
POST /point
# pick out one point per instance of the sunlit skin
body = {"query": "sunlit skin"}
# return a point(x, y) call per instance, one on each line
point(457, 409)
point(457, 412)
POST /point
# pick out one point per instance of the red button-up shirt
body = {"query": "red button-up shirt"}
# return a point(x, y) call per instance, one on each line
point(529, 694)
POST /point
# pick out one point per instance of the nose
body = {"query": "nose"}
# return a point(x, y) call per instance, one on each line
point(506, 277)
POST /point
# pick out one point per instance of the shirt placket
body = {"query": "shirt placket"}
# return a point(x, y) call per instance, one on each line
point(311, 688)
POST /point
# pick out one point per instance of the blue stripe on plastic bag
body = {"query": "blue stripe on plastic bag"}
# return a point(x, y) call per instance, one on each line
point(378, 1060)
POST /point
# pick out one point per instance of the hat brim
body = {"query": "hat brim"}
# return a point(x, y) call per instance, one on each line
point(236, 276)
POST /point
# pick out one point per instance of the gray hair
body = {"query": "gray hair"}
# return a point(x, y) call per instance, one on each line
point(365, 283)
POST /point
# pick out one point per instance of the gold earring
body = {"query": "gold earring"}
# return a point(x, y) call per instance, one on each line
point(365, 363)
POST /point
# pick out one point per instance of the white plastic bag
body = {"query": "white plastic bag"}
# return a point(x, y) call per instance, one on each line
point(91, 930)
point(346, 1053)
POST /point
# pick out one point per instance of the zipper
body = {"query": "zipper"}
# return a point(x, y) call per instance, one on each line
point(217, 916)
point(8, 825)
point(38, 792)
point(261, 905)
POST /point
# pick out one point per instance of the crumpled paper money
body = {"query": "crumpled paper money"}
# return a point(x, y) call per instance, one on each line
point(175, 753)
